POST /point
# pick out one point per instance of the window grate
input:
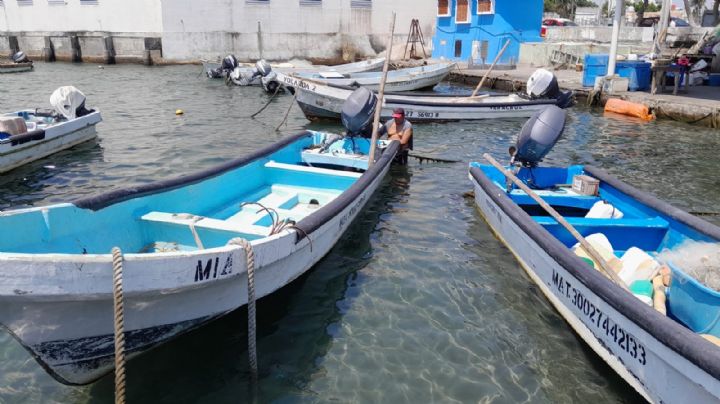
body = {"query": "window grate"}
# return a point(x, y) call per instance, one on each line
point(485, 6)
point(260, 2)
point(462, 13)
point(360, 3)
point(25, 2)
point(443, 8)
point(311, 3)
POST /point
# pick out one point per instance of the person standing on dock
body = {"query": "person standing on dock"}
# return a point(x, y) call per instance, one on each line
point(399, 129)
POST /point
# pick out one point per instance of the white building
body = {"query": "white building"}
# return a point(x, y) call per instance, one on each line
point(329, 30)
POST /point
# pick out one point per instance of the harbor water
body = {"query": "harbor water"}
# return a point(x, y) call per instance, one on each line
point(418, 302)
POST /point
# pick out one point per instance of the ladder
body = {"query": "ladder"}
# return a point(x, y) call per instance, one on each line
point(414, 37)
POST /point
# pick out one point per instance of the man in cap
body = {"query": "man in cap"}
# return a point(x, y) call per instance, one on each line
point(399, 129)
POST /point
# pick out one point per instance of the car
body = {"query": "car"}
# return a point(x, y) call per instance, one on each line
point(555, 22)
point(654, 21)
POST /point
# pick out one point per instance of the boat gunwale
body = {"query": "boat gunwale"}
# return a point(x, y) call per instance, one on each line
point(103, 200)
point(669, 333)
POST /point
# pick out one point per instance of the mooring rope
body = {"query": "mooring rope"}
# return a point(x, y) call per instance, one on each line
point(287, 113)
point(119, 323)
point(277, 90)
point(252, 314)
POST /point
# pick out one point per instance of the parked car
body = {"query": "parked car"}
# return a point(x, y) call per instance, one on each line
point(653, 21)
point(555, 22)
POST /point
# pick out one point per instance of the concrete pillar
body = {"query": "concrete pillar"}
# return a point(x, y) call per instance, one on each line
point(109, 50)
point(48, 51)
point(76, 52)
point(13, 45)
point(153, 50)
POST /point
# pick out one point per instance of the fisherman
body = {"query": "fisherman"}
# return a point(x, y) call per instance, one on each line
point(399, 129)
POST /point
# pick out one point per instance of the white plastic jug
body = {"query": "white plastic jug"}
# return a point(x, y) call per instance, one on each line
point(637, 265)
point(604, 210)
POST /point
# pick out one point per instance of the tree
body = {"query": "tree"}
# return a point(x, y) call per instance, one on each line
point(566, 8)
point(694, 10)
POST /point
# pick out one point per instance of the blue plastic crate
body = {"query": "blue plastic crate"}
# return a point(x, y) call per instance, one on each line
point(637, 72)
point(693, 303)
point(595, 64)
point(714, 79)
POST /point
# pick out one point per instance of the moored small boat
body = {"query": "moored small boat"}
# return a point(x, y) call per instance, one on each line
point(20, 63)
point(291, 201)
point(32, 134)
point(323, 101)
point(664, 357)
point(414, 78)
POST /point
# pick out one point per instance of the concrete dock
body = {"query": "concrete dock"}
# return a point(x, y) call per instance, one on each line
point(700, 105)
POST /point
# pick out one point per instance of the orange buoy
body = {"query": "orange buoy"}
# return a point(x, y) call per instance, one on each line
point(623, 107)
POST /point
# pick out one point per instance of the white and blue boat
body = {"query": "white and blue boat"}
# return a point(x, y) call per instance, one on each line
point(32, 134)
point(291, 201)
point(666, 358)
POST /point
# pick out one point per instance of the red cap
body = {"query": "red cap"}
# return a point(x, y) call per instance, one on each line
point(398, 113)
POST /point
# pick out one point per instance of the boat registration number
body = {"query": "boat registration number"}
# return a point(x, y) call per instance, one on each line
point(213, 269)
point(600, 321)
point(421, 114)
point(299, 83)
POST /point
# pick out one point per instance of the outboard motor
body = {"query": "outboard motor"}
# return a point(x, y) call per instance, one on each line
point(243, 77)
point(358, 112)
point(20, 57)
point(538, 136)
point(544, 84)
point(69, 102)
point(228, 64)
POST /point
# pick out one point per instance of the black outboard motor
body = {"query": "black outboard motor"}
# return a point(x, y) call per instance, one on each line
point(358, 112)
point(538, 136)
point(20, 57)
point(228, 64)
point(544, 84)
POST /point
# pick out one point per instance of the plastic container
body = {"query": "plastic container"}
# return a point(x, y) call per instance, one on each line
point(637, 72)
point(694, 304)
point(596, 64)
point(637, 266)
point(643, 290)
point(714, 80)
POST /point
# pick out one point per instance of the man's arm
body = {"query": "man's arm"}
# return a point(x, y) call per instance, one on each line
point(406, 135)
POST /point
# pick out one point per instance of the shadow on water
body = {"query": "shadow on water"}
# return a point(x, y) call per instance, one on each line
point(295, 329)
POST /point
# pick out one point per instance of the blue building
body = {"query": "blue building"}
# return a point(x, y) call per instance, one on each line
point(471, 28)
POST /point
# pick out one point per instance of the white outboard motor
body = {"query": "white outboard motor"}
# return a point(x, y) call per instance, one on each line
point(544, 84)
point(69, 102)
point(538, 136)
point(358, 112)
point(245, 77)
point(20, 57)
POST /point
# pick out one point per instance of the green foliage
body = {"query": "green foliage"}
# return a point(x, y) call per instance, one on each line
point(566, 8)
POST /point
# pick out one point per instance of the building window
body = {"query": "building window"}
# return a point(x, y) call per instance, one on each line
point(25, 2)
point(485, 6)
point(443, 8)
point(56, 2)
point(89, 2)
point(311, 3)
point(262, 2)
point(360, 3)
point(462, 11)
point(458, 48)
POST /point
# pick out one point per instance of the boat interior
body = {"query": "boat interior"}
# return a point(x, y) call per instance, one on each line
point(253, 201)
point(628, 225)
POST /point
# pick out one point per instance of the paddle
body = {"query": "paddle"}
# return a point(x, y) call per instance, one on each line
point(604, 266)
point(381, 95)
point(482, 81)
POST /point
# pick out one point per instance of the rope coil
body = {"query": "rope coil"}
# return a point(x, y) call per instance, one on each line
point(119, 325)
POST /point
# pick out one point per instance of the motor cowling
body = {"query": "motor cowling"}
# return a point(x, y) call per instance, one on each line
point(263, 68)
point(270, 83)
point(543, 84)
point(358, 112)
point(229, 63)
point(20, 57)
point(538, 136)
point(69, 102)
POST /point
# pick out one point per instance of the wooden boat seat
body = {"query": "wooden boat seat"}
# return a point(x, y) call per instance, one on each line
point(644, 233)
point(243, 229)
point(315, 170)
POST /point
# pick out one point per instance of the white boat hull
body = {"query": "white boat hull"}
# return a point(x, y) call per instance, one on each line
point(321, 101)
point(60, 306)
point(356, 67)
point(57, 137)
point(652, 368)
point(397, 81)
point(15, 67)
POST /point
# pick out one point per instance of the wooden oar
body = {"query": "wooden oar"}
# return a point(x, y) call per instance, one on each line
point(549, 209)
point(381, 95)
point(491, 67)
